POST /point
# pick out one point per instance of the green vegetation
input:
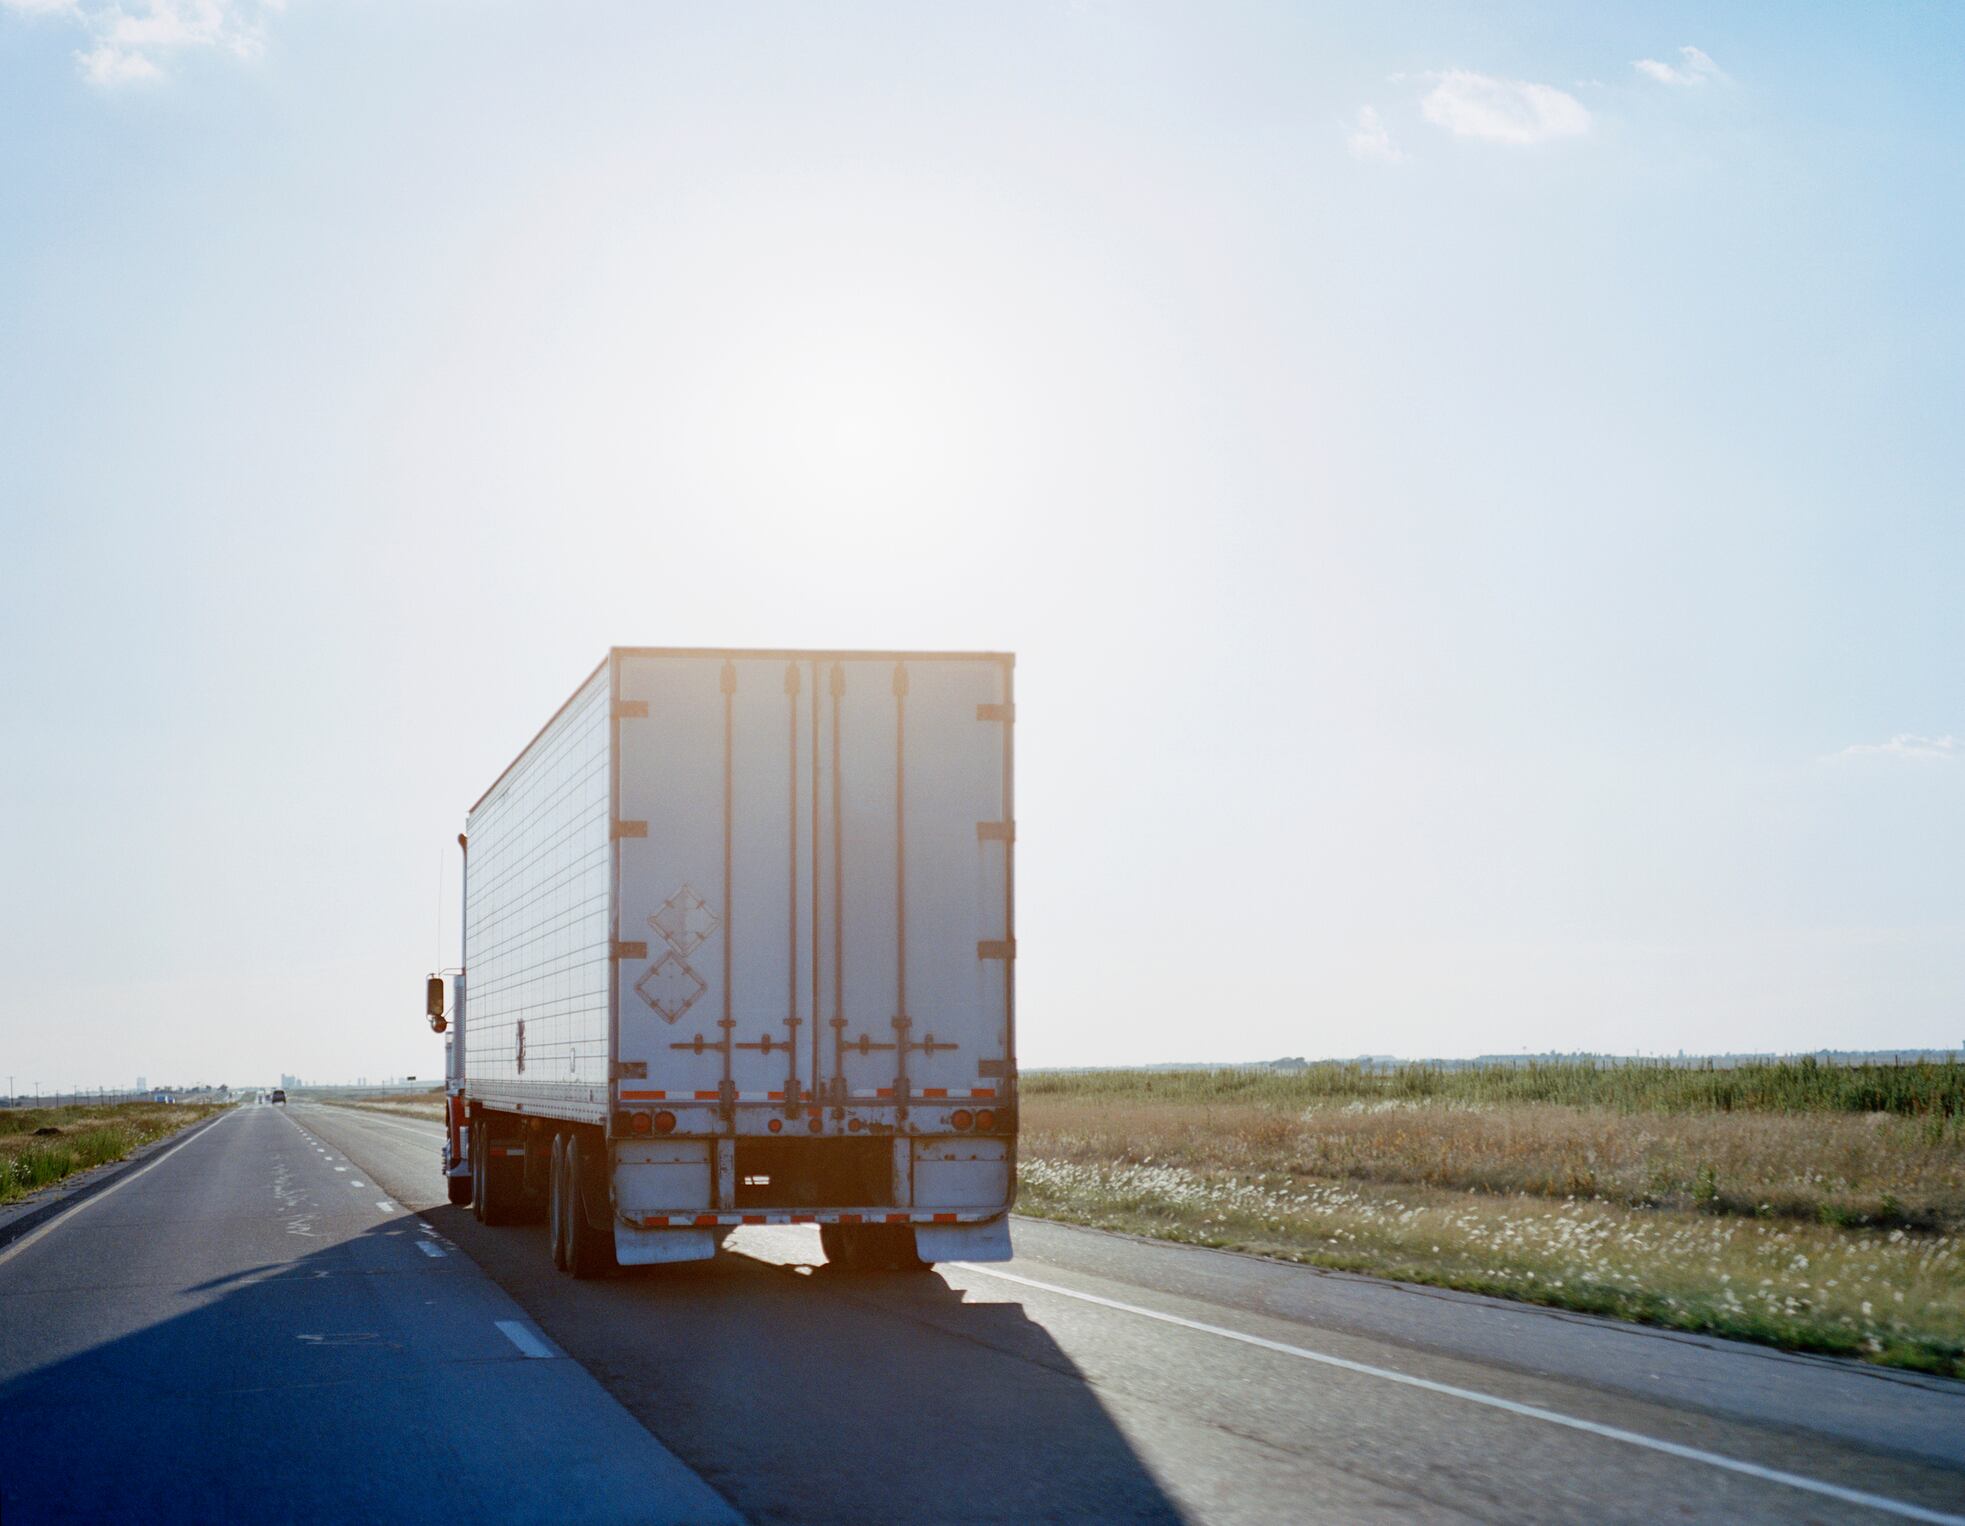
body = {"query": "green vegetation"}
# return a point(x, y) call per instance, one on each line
point(1805, 1085)
point(1783, 1207)
point(41, 1145)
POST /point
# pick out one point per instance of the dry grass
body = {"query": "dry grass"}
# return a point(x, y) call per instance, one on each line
point(1817, 1230)
point(428, 1106)
point(1836, 1168)
point(81, 1136)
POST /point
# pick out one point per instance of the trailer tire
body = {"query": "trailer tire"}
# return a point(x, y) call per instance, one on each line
point(459, 1188)
point(589, 1250)
point(895, 1249)
point(556, 1197)
point(871, 1248)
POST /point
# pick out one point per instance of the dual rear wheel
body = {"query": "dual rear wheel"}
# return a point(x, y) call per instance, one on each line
point(580, 1248)
point(871, 1248)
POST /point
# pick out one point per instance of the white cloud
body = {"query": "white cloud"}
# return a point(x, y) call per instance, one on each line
point(133, 44)
point(1368, 139)
point(1696, 68)
point(1501, 110)
point(109, 65)
point(1910, 748)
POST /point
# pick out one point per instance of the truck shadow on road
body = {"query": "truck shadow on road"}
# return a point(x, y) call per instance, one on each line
point(358, 1374)
point(804, 1393)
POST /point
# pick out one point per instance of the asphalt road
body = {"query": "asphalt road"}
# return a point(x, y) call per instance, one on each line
point(250, 1328)
point(1094, 1378)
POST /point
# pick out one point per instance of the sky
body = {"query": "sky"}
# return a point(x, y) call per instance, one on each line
point(1473, 491)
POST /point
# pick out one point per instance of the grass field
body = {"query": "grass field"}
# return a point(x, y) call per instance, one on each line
point(1809, 1206)
point(82, 1136)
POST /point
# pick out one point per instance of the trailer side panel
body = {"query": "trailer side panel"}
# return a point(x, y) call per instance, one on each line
point(537, 920)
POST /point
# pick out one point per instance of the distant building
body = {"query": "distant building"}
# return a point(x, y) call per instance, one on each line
point(142, 1085)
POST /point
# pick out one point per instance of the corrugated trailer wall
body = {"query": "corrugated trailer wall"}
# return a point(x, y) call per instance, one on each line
point(538, 917)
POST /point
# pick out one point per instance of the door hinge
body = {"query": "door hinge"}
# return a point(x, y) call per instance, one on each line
point(996, 712)
point(996, 831)
point(623, 829)
point(630, 709)
point(997, 948)
point(628, 1070)
point(622, 949)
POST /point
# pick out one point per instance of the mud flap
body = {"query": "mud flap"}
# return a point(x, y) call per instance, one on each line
point(964, 1242)
point(651, 1247)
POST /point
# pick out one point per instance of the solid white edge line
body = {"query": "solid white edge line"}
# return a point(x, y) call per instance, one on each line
point(524, 1339)
point(1492, 1401)
point(96, 1197)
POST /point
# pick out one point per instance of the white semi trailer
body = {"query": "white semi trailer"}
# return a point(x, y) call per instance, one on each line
point(739, 949)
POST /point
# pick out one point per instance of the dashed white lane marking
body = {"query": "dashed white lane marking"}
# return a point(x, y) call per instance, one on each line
point(341, 1168)
point(357, 1184)
point(528, 1343)
point(386, 1206)
point(429, 1248)
point(1491, 1401)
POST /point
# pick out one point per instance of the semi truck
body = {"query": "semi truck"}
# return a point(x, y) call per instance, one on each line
point(739, 948)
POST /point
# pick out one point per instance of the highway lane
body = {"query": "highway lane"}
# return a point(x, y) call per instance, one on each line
point(1103, 1378)
point(251, 1328)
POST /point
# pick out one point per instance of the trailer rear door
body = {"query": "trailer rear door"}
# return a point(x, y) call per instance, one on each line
point(813, 861)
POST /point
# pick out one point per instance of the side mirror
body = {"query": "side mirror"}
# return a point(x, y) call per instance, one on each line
point(433, 1003)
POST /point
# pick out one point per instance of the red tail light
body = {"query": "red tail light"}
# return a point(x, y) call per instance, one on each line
point(776, 1125)
point(665, 1123)
point(961, 1118)
point(638, 1122)
point(986, 1121)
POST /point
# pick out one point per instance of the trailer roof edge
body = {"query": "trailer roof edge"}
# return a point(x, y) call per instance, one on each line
point(787, 654)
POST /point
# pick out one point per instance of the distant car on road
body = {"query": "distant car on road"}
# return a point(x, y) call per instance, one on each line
point(279, 1094)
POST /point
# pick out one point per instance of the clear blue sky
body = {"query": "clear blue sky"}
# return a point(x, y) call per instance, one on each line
point(1475, 492)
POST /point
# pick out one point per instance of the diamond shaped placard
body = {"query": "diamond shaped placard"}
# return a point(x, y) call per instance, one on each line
point(670, 986)
point(685, 921)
